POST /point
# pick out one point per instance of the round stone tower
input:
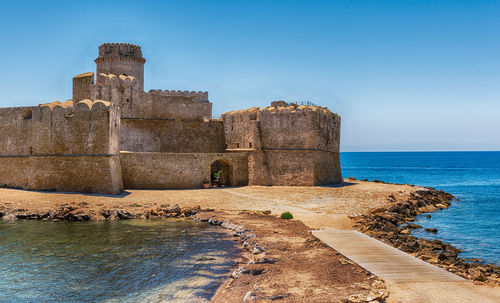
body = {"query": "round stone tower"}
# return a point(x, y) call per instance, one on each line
point(121, 59)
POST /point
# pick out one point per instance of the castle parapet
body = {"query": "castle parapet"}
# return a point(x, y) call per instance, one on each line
point(196, 95)
point(61, 146)
point(300, 127)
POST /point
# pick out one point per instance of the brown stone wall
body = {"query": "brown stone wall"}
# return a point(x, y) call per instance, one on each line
point(242, 129)
point(62, 130)
point(82, 87)
point(172, 136)
point(288, 128)
point(180, 107)
point(293, 145)
point(327, 168)
point(178, 170)
point(283, 128)
point(304, 127)
point(155, 104)
point(120, 90)
point(41, 143)
point(91, 174)
point(293, 168)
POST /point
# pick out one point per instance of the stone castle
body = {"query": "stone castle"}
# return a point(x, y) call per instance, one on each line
point(113, 136)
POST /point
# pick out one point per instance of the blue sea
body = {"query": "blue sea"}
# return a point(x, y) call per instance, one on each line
point(471, 224)
point(166, 260)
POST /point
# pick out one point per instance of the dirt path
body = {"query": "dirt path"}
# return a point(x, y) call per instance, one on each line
point(352, 198)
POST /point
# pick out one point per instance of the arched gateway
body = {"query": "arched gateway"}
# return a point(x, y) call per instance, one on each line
point(221, 173)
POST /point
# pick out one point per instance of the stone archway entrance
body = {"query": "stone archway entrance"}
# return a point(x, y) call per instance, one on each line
point(221, 173)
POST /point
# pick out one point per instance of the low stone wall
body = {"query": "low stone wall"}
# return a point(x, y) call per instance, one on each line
point(92, 174)
point(151, 170)
point(294, 168)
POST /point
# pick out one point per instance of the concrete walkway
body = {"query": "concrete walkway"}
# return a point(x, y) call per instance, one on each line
point(408, 279)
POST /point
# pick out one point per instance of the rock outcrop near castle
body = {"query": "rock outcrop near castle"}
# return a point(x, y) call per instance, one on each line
point(113, 135)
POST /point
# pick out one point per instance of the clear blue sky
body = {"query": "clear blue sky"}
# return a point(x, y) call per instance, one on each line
point(404, 75)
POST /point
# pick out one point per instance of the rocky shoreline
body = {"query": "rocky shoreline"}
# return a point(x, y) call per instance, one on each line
point(263, 273)
point(393, 225)
point(273, 251)
point(79, 212)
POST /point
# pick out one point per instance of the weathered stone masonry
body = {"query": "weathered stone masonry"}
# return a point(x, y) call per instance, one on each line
point(160, 139)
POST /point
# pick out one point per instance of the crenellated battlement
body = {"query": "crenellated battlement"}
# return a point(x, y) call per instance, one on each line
point(118, 81)
point(199, 95)
point(61, 146)
point(120, 51)
point(283, 126)
point(86, 104)
point(60, 128)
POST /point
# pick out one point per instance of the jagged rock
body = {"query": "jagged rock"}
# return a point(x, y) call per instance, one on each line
point(249, 296)
point(378, 284)
point(253, 272)
point(9, 217)
point(264, 261)
point(123, 214)
point(277, 297)
point(476, 274)
point(237, 273)
point(345, 261)
point(357, 298)
point(214, 222)
point(174, 209)
point(413, 226)
point(257, 250)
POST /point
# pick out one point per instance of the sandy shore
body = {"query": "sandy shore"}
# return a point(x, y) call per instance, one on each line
point(306, 270)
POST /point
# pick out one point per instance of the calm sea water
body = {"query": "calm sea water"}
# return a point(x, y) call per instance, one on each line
point(473, 223)
point(123, 261)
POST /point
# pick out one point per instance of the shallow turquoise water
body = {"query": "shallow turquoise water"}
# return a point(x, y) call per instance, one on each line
point(473, 223)
point(122, 261)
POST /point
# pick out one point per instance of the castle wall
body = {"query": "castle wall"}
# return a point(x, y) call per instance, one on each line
point(178, 106)
point(304, 127)
point(293, 168)
point(82, 87)
point(172, 136)
point(292, 145)
point(242, 129)
point(91, 174)
point(61, 147)
point(125, 92)
point(327, 168)
point(178, 170)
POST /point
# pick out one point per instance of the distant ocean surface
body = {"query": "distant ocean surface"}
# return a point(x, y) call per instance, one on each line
point(471, 224)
